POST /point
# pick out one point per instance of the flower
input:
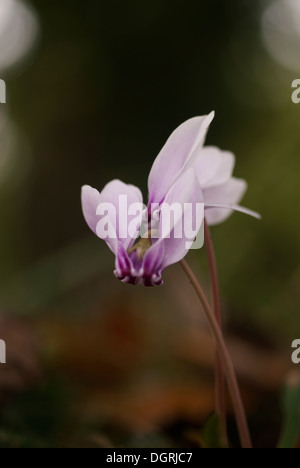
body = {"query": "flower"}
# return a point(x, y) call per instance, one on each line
point(213, 168)
point(144, 261)
point(185, 174)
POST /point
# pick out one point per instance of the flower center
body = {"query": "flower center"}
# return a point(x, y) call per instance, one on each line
point(142, 245)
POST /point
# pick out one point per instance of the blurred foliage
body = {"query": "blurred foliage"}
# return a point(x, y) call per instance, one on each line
point(101, 91)
point(35, 419)
point(211, 434)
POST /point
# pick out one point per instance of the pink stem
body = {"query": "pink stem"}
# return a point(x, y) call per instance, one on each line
point(226, 359)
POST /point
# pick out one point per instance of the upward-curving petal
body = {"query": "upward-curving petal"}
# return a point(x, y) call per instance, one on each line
point(228, 194)
point(212, 166)
point(107, 214)
point(175, 155)
point(90, 199)
point(186, 198)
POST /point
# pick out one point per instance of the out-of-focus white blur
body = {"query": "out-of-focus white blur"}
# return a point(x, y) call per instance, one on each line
point(18, 31)
point(281, 32)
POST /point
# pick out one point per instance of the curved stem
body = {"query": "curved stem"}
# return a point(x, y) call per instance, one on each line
point(226, 359)
point(220, 378)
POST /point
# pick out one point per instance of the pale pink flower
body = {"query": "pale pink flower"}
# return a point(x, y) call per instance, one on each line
point(185, 172)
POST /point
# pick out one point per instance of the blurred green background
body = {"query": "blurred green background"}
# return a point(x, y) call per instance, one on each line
point(93, 96)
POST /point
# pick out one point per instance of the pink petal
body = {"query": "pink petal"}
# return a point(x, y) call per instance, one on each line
point(123, 263)
point(153, 261)
point(226, 194)
point(175, 154)
point(186, 190)
point(239, 209)
point(92, 199)
point(111, 194)
point(212, 166)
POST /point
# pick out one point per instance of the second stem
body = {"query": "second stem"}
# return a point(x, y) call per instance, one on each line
point(226, 359)
point(220, 378)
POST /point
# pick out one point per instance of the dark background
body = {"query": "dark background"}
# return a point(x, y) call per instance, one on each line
point(95, 99)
